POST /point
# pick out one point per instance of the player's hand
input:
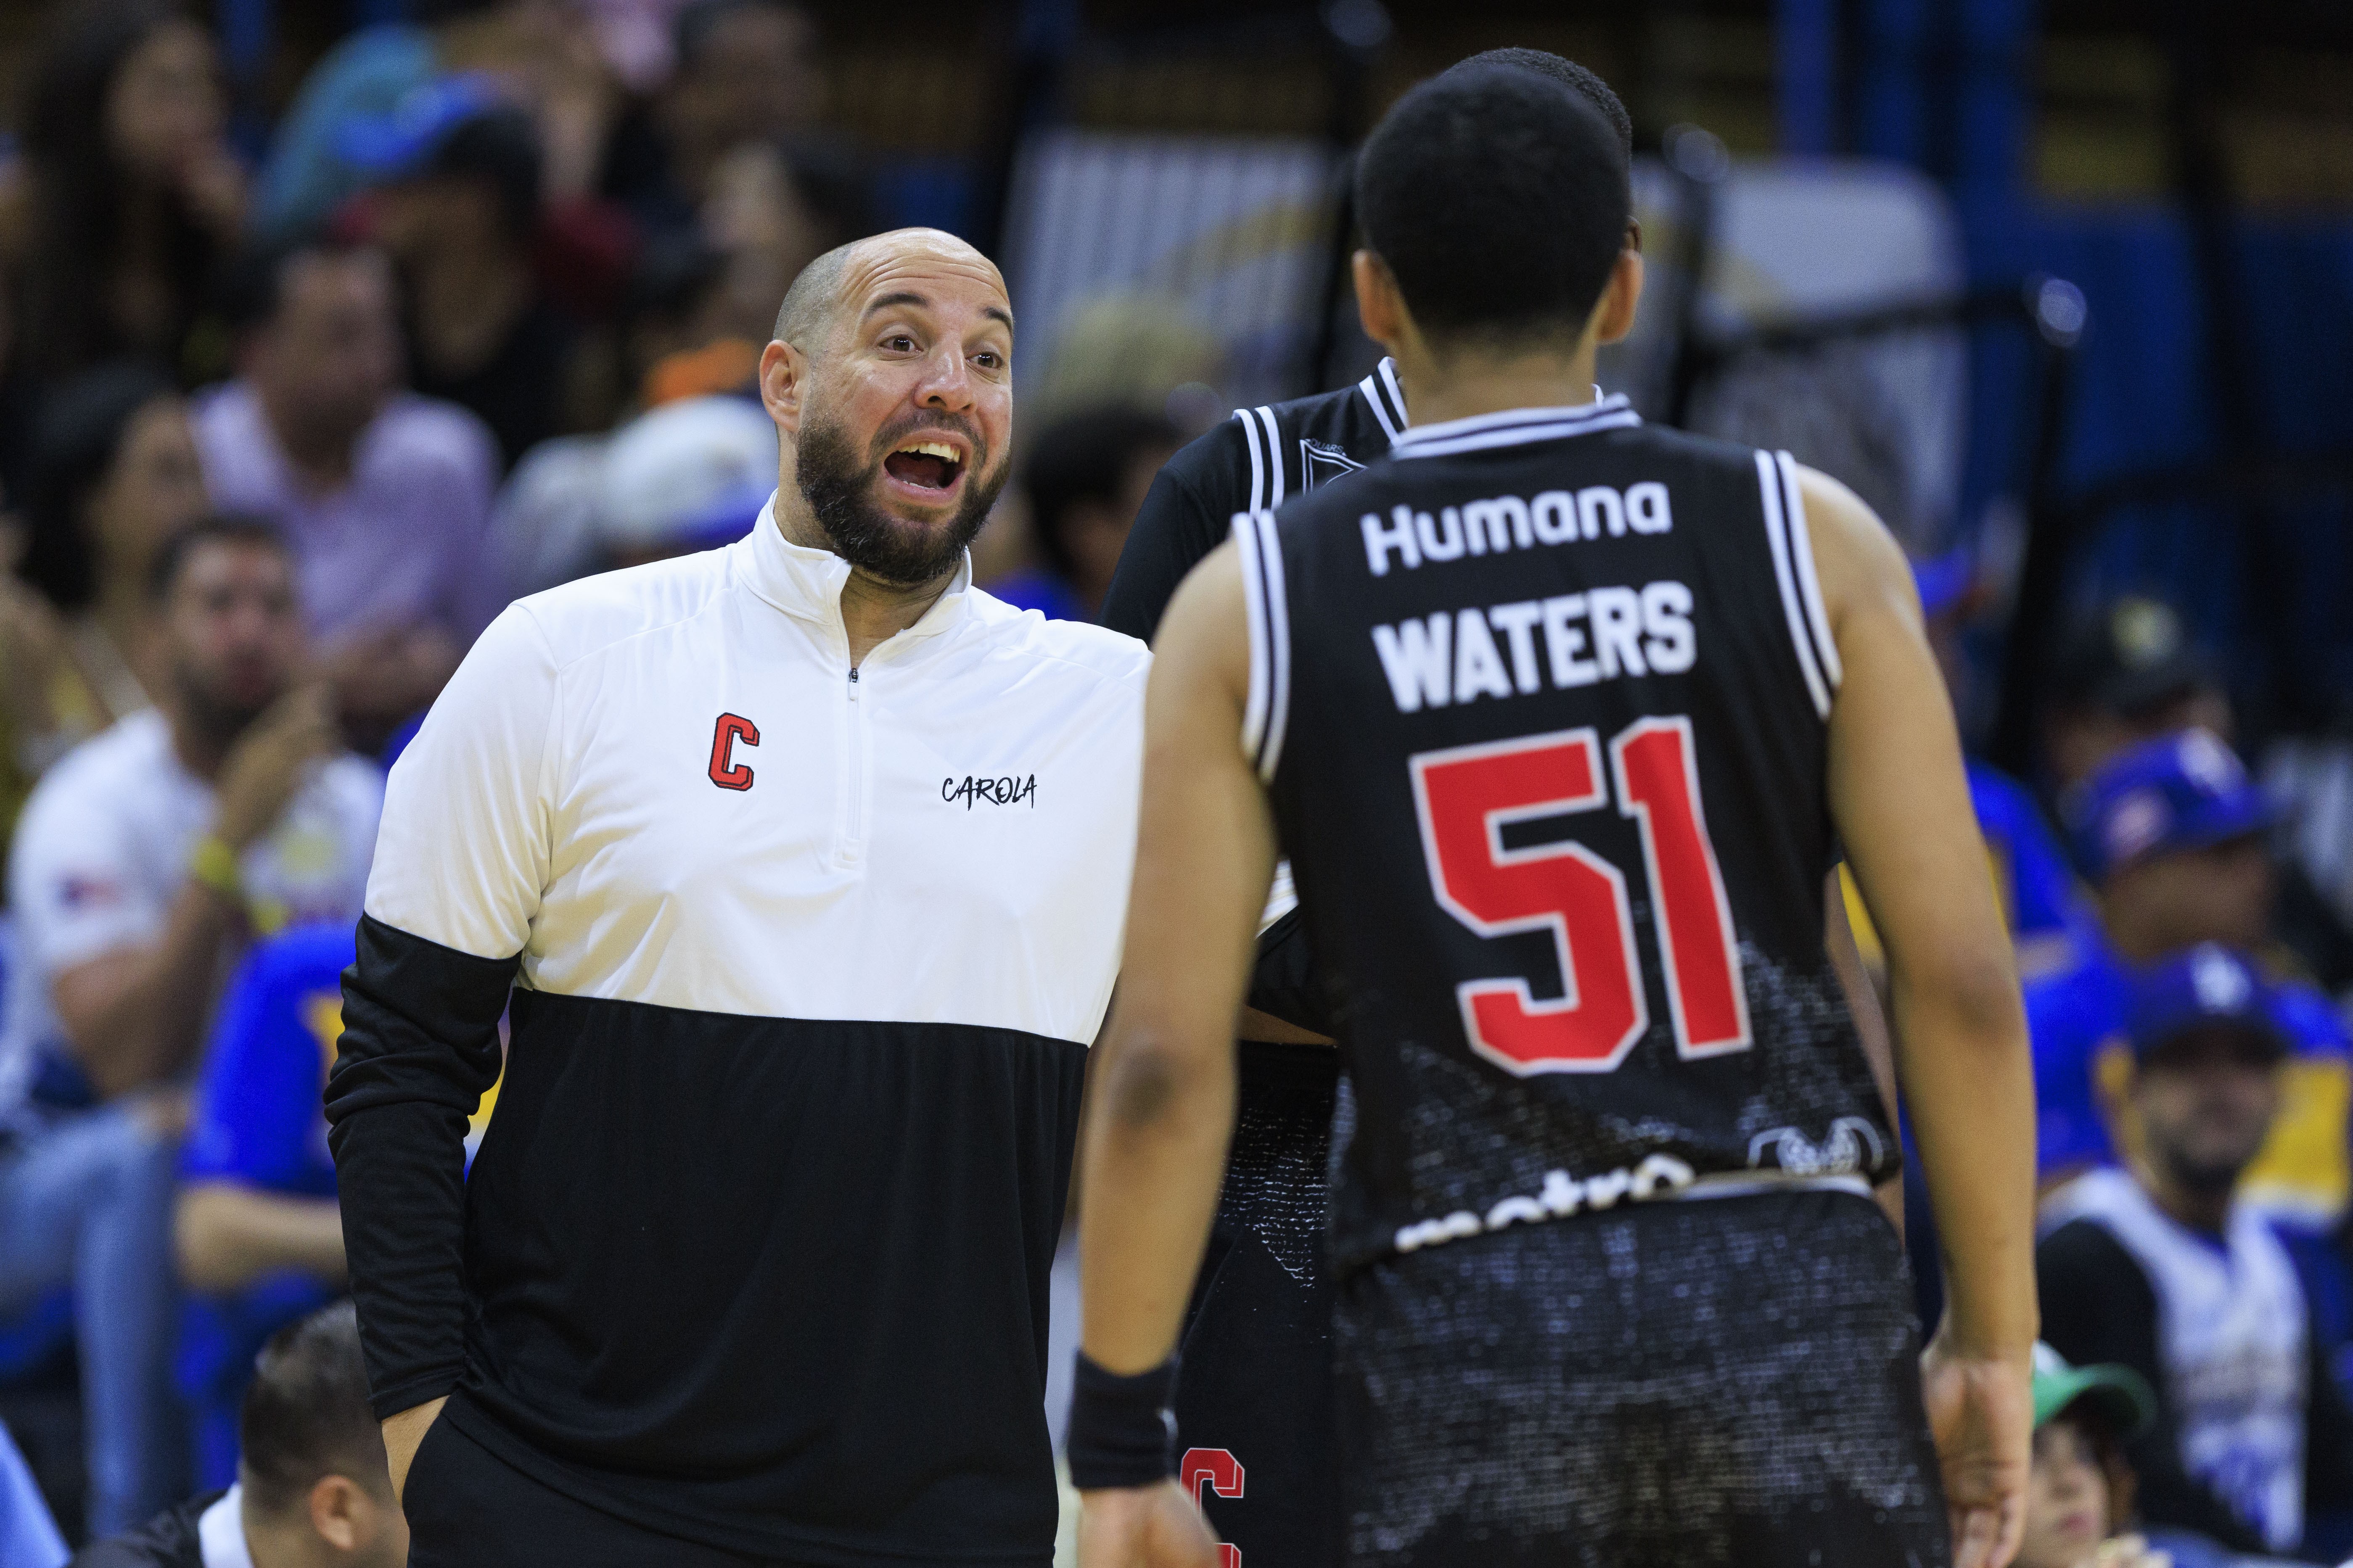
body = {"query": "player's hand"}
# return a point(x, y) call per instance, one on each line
point(269, 763)
point(403, 1435)
point(1144, 1527)
point(1981, 1412)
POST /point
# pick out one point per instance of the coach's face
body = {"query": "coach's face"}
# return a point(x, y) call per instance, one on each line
point(899, 422)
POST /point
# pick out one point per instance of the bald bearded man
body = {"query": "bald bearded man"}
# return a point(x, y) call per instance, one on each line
point(806, 861)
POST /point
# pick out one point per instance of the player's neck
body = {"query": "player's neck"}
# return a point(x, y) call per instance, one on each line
point(1463, 384)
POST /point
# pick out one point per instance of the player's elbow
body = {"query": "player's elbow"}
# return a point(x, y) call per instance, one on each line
point(1970, 993)
point(1153, 1081)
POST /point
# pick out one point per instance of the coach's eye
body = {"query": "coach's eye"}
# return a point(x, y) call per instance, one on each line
point(899, 341)
point(987, 359)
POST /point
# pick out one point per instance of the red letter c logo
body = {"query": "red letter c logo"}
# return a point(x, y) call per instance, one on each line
point(725, 771)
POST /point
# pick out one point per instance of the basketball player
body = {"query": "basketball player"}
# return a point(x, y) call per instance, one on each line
point(1559, 716)
point(1255, 1401)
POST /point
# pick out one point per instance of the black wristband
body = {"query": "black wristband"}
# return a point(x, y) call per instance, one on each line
point(1122, 1433)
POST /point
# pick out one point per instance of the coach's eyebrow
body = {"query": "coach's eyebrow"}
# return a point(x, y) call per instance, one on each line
point(1005, 316)
point(903, 297)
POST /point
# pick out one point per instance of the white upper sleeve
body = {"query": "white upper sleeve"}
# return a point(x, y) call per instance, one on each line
point(462, 856)
point(77, 889)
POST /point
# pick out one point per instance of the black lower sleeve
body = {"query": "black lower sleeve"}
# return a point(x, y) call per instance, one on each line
point(419, 1048)
point(2099, 1308)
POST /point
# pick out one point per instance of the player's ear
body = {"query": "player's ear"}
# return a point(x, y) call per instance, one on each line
point(783, 384)
point(336, 1503)
point(1379, 306)
point(1613, 314)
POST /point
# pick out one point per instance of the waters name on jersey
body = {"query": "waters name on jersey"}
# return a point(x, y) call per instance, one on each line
point(1602, 634)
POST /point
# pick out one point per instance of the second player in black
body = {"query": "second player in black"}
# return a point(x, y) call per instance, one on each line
point(1256, 1399)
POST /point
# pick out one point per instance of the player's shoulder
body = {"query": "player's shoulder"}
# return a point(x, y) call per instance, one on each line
point(589, 615)
point(1080, 650)
point(1266, 454)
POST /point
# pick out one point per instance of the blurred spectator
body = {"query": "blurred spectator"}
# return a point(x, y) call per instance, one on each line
point(2080, 1493)
point(2051, 917)
point(688, 476)
point(542, 53)
point(1085, 476)
point(2126, 673)
point(28, 1536)
point(260, 1240)
point(2171, 834)
point(383, 496)
point(312, 1490)
point(746, 72)
point(1133, 351)
point(130, 190)
point(457, 208)
point(691, 475)
point(774, 207)
point(114, 474)
point(2157, 1268)
point(228, 808)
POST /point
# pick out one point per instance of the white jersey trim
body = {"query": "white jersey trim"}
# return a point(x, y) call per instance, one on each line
point(1810, 587)
point(1517, 427)
point(1266, 711)
point(1273, 457)
point(1258, 462)
point(1768, 483)
point(1374, 392)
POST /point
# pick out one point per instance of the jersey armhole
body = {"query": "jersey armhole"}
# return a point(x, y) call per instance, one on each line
point(1793, 572)
point(1267, 708)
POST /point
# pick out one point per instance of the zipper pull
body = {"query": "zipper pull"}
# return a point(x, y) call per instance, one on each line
point(854, 675)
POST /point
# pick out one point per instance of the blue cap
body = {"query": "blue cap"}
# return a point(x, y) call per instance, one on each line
point(2180, 792)
point(2206, 987)
point(389, 146)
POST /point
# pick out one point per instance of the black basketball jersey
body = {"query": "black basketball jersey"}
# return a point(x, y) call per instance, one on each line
point(1254, 461)
point(1541, 698)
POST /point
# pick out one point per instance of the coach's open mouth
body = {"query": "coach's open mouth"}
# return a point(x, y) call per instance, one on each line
point(926, 464)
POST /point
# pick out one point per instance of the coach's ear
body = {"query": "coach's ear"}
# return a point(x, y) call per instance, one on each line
point(784, 381)
point(1613, 313)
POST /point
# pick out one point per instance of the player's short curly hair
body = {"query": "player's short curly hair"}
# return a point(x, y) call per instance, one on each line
point(1498, 201)
point(1570, 75)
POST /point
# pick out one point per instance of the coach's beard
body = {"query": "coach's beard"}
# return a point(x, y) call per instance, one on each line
point(888, 548)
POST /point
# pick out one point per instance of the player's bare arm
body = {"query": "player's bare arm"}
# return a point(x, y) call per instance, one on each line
point(1902, 806)
point(1163, 1092)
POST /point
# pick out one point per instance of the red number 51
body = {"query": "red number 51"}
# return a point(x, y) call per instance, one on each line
point(1464, 796)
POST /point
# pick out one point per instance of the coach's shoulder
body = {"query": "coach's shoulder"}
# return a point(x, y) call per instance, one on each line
point(1084, 647)
point(591, 614)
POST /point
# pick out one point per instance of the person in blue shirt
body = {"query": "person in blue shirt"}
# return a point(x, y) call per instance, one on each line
point(2051, 916)
point(2171, 834)
point(260, 1240)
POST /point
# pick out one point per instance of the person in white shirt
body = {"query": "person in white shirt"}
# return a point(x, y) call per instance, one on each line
point(141, 863)
point(805, 858)
point(311, 1490)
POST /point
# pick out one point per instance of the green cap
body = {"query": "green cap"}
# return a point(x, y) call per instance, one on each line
point(2121, 1395)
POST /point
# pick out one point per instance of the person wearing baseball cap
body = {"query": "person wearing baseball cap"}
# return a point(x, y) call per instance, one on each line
point(2126, 673)
point(2080, 1495)
point(2171, 835)
point(455, 173)
point(2159, 1267)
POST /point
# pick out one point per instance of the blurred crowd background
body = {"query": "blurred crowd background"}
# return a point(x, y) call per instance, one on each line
point(328, 328)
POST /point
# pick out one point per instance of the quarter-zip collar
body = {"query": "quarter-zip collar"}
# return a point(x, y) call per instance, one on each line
point(806, 583)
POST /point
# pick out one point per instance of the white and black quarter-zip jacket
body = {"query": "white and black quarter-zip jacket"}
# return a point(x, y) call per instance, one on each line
point(806, 959)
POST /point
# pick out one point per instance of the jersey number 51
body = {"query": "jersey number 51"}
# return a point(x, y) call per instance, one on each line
point(1466, 794)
